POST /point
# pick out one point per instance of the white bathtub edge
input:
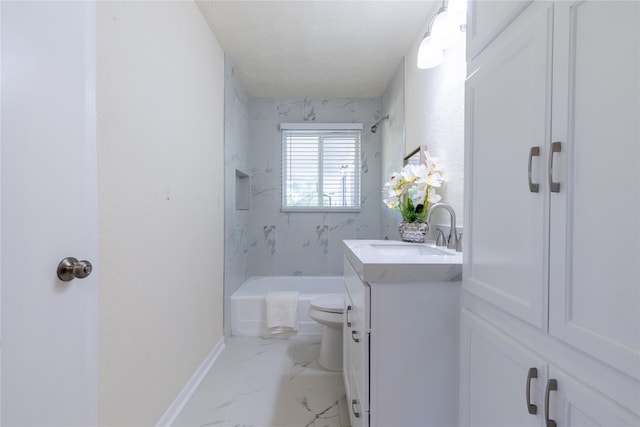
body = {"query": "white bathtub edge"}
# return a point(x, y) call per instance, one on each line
point(248, 309)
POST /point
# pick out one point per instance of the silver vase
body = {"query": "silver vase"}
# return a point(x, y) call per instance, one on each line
point(413, 231)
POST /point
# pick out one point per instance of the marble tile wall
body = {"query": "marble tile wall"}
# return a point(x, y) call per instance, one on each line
point(236, 221)
point(263, 240)
point(288, 243)
point(393, 146)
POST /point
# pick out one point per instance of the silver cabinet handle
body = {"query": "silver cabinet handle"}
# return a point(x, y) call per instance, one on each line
point(552, 385)
point(354, 402)
point(348, 320)
point(353, 335)
point(555, 148)
point(533, 373)
point(533, 152)
point(70, 268)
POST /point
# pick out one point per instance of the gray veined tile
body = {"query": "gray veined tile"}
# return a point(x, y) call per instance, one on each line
point(319, 410)
point(259, 406)
point(303, 353)
point(268, 383)
point(342, 402)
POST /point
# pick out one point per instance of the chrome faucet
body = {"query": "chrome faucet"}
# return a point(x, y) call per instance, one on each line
point(453, 234)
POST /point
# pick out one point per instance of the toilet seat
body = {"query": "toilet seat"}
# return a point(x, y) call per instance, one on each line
point(333, 303)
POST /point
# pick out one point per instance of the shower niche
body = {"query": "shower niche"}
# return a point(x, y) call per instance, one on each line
point(243, 191)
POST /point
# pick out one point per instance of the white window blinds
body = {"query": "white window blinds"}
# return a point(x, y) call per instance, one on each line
point(321, 166)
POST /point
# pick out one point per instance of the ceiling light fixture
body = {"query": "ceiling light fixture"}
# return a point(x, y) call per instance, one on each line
point(429, 53)
point(443, 32)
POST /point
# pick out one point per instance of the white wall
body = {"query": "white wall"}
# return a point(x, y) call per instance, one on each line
point(160, 83)
point(435, 117)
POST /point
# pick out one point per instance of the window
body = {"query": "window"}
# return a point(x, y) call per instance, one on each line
point(321, 167)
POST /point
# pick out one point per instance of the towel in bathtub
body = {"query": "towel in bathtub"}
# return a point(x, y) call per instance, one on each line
point(282, 311)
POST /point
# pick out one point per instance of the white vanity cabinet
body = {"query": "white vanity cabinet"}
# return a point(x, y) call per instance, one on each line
point(401, 346)
point(552, 212)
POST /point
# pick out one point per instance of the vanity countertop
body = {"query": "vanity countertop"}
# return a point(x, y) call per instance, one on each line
point(394, 261)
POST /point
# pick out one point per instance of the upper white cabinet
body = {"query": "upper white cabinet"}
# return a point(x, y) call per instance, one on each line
point(508, 107)
point(595, 235)
point(487, 19)
point(552, 206)
point(553, 182)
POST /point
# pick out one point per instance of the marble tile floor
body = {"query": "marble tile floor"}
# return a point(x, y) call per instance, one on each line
point(258, 382)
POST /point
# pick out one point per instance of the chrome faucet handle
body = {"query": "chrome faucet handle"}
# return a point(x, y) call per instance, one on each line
point(453, 239)
point(440, 241)
point(459, 244)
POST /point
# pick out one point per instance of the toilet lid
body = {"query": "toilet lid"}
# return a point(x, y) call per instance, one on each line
point(333, 303)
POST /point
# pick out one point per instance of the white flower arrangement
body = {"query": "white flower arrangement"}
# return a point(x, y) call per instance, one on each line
point(413, 189)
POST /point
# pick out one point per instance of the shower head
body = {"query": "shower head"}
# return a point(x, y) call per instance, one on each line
point(374, 128)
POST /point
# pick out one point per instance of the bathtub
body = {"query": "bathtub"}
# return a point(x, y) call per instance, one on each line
point(248, 316)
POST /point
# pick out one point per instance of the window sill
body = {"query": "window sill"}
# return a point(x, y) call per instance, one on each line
point(321, 209)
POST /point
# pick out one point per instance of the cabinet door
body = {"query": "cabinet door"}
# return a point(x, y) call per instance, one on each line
point(595, 216)
point(348, 374)
point(574, 404)
point(359, 293)
point(508, 109)
point(360, 369)
point(494, 375)
point(356, 348)
point(487, 18)
point(356, 367)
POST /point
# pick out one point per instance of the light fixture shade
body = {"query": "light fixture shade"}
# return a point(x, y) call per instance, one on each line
point(458, 11)
point(445, 31)
point(429, 54)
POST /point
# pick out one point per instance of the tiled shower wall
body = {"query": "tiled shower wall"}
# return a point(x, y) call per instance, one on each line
point(294, 243)
point(262, 240)
point(236, 221)
point(393, 146)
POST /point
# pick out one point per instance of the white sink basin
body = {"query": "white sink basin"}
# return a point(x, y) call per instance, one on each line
point(407, 249)
point(394, 261)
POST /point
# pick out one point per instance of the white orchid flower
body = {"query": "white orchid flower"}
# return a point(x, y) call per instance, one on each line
point(414, 185)
point(407, 173)
point(420, 171)
point(434, 179)
point(391, 203)
point(433, 197)
point(432, 163)
point(392, 193)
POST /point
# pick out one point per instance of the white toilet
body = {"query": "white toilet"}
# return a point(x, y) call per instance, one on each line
point(327, 310)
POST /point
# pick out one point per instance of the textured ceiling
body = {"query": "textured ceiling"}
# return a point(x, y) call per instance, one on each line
point(316, 48)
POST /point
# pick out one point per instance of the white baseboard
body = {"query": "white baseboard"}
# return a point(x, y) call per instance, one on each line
point(185, 394)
